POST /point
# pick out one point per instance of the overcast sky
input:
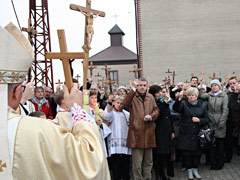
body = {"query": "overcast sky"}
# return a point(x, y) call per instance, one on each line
point(73, 22)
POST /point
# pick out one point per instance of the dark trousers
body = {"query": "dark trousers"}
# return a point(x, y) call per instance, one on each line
point(229, 141)
point(217, 154)
point(160, 164)
point(192, 161)
point(120, 166)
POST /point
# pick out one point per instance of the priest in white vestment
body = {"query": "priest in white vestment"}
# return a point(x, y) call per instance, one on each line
point(36, 149)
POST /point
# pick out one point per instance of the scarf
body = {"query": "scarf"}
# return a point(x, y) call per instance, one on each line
point(40, 102)
point(193, 103)
point(142, 96)
point(217, 93)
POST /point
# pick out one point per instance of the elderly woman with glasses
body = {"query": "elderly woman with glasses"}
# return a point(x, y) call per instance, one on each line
point(193, 116)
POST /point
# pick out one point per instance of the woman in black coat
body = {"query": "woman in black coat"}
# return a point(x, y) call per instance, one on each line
point(164, 133)
point(193, 116)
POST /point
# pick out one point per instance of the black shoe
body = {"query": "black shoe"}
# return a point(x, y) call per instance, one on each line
point(238, 152)
point(218, 168)
point(227, 160)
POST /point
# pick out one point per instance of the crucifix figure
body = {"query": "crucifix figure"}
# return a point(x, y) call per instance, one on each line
point(89, 15)
point(30, 31)
point(214, 77)
point(135, 70)
point(106, 70)
point(65, 56)
point(110, 83)
point(91, 67)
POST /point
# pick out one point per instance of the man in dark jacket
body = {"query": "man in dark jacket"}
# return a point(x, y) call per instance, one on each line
point(233, 117)
point(141, 133)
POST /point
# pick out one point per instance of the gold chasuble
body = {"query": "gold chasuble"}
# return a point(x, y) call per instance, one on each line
point(64, 118)
point(45, 151)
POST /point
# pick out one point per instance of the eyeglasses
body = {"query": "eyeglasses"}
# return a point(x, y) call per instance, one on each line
point(23, 86)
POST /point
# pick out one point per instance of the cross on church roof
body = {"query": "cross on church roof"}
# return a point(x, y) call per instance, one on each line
point(115, 16)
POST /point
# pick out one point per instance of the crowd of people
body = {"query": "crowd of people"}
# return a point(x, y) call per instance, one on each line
point(146, 127)
point(149, 127)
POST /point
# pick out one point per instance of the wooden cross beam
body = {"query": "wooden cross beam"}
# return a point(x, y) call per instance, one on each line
point(59, 82)
point(173, 76)
point(64, 55)
point(202, 73)
point(106, 70)
point(91, 67)
point(29, 30)
point(89, 16)
point(168, 72)
point(110, 83)
point(214, 76)
point(135, 70)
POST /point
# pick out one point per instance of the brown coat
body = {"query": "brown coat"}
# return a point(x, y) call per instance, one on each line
point(141, 134)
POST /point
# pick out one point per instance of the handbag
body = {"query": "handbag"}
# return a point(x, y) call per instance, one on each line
point(206, 137)
point(236, 131)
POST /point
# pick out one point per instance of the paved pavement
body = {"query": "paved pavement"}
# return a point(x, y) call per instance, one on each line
point(230, 171)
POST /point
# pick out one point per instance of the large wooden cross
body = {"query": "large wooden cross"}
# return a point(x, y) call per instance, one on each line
point(91, 67)
point(135, 70)
point(89, 15)
point(65, 56)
